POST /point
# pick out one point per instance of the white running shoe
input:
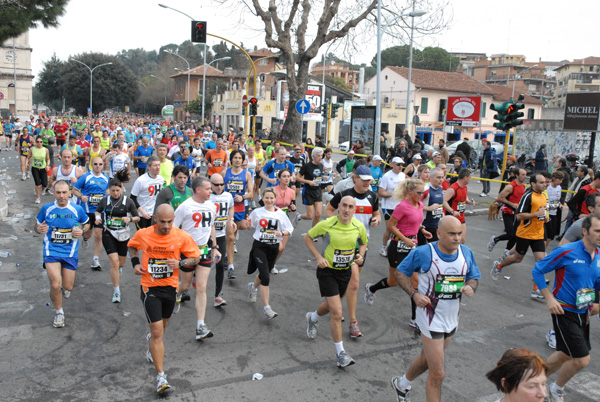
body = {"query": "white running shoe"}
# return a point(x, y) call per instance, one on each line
point(252, 292)
point(369, 296)
point(491, 244)
point(383, 251)
point(269, 313)
point(37, 200)
point(59, 320)
point(537, 295)
point(162, 383)
point(551, 339)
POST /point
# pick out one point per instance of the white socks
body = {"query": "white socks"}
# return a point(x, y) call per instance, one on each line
point(339, 347)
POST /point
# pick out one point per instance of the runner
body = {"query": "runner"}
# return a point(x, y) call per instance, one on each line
point(389, 182)
point(216, 159)
point(334, 269)
point(299, 163)
point(116, 160)
point(95, 151)
point(554, 192)
point(510, 197)
point(328, 172)
point(141, 154)
point(62, 223)
point(145, 190)
point(49, 139)
point(166, 165)
point(224, 224)
point(238, 183)
point(376, 171)
point(270, 225)
point(456, 197)
point(530, 232)
point(311, 176)
point(23, 147)
point(433, 205)
point(572, 301)
point(163, 247)
point(286, 201)
point(67, 172)
point(271, 169)
point(446, 270)
point(8, 128)
point(39, 160)
point(261, 157)
point(176, 192)
point(113, 214)
point(404, 224)
point(90, 188)
point(367, 212)
point(197, 216)
point(412, 169)
point(345, 167)
point(189, 163)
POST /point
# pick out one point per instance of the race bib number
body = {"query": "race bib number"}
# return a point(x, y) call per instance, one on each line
point(218, 162)
point(460, 207)
point(342, 258)
point(220, 224)
point(448, 287)
point(38, 163)
point(159, 269)
point(318, 181)
point(61, 236)
point(438, 213)
point(115, 223)
point(235, 187)
point(403, 248)
point(268, 236)
point(296, 169)
point(144, 159)
point(94, 199)
point(585, 296)
point(554, 205)
point(375, 182)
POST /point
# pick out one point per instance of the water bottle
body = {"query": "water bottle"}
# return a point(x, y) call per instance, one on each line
point(4, 254)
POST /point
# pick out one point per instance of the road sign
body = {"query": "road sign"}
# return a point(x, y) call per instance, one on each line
point(1, 96)
point(89, 110)
point(416, 120)
point(244, 101)
point(464, 111)
point(303, 106)
point(187, 114)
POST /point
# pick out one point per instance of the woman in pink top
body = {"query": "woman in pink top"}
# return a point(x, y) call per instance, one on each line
point(404, 225)
point(286, 201)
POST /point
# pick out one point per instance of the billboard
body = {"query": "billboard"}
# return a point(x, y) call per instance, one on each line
point(582, 112)
point(348, 105)
point(463, 111)
point(362, 125)
point(313, 96)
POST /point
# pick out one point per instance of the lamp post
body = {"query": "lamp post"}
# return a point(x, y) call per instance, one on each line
point(188, 73)
point(380, 31)
point(91, 79)
point(164, 84)
point(204, 81)
point(140, 82)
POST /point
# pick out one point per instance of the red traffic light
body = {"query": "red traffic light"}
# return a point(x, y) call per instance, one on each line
point(253, 101)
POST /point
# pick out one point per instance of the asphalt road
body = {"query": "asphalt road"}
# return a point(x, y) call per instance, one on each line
point(100, 354)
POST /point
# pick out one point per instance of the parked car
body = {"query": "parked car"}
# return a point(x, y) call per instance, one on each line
point(345, 146)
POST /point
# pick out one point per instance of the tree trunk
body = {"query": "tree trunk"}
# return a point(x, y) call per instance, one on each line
point(292, 128)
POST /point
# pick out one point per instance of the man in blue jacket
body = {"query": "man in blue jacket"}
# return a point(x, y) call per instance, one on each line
point(489, 167)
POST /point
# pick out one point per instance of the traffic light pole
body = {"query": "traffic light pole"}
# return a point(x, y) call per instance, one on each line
point(506, 143)
point(328, 122)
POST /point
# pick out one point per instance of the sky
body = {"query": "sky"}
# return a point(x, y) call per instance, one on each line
point(550, 30)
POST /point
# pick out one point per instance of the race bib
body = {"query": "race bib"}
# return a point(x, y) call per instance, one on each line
point(342, 258)
point(585, 296)
point(38, 163)
point(268, 237)
point(554, 205)
point(235, 187)
point(220, 224)
point(375, 182)
point(25, 151)
point(460, 207)
point(296, 169)
point(438, 213)
point(218, 162)
point(94, 199)
point(159, 269)
point(448, 287)
point(115, 223)
point(144, 159)
point(61, 236)
point(318, 181)
point(403, 248)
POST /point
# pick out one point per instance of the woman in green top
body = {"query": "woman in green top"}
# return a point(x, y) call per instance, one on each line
point(39, 160)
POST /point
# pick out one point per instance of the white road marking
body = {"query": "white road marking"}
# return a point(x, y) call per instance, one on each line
point(14, 306)
point(17, 332)
point(10, 286)
point(586, 384)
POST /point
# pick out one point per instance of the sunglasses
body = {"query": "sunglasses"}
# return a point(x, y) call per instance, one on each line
point(418, 192)
point(39, 142)
point(98, 164)
point(218, 184)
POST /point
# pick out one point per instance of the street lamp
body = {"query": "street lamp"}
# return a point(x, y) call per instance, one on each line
point(380, 31)
point(515, 79)
point(91, 78)
point(140, 82)
point(164, 84)
point(188, 72)
point(204, 81)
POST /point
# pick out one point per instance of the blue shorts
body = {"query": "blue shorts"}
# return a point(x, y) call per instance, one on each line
point(66, 262)
point(239, 216)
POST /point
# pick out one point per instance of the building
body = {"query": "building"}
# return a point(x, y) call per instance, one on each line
point(15, 61)
point(581, 75)
point(338, 70)
point(466, 62)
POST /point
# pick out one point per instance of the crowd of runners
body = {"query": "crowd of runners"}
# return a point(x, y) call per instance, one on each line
point(196, 189)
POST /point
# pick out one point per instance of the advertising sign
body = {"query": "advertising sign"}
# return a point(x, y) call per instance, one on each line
point(348, 110)
point(362, 125)
point(464, 111)
point(313, 96)
point(581, 112)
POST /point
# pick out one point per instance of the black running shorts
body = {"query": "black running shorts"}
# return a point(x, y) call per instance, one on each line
point(159, 302)
point(333, 282)
point(572, 334)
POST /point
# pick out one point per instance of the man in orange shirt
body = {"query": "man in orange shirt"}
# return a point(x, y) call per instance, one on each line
point(216, 159)
point(163, 247)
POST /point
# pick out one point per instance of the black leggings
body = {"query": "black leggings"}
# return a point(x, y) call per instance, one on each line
point(40, 177)
point(509, 227)
point(262, 257)
point(220, 265)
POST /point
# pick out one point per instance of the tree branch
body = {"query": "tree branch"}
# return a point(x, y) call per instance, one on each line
point(301, 31)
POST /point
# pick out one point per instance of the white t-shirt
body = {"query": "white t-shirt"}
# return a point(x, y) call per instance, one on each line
point(117, 162)
point(223, 202)
point(327, 170)
point(553, 198)
point(197, 155)
point(196, 219)
point(174, 149)
point(265, 223)
point(389, 182)
point(146, 190)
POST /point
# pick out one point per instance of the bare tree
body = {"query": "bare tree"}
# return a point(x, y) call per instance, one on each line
point(299, 28)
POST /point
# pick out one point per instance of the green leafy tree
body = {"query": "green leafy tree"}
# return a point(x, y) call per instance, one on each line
point(430, 58)
point(18, 16)
point(49, 83)
point(338, 82)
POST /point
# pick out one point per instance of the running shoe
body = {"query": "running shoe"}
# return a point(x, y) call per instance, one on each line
point(296, 219)
point(505, 254)
point(66, 293)
point(252, 292)
point(537, 295)
point(482, 194)
point(23, 177)
point(495, 271)
point(269, 313)
point(354, 330)
point(203, 332)
point(383, 251)
point(185, 296)
point(413, 324)
point(44, 191)
point(343, 360)
point(551, 339)
point(28, 175)
point(116, 297)
point(491, 243)
point(274, 271)
point(59, 320)
point(311, 329)
point(162, 383)
point(219, 301)
point(235, 248)
point(96, 265)
point(369, 296)
point(231, 273)
point(37, 200)
point(148, 354)
point(556, 396)
point(402, 395)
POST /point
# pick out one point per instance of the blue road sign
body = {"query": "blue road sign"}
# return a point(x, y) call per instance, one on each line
point(302, 106)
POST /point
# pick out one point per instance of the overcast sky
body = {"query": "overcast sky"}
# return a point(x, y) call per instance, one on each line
point(550, 30)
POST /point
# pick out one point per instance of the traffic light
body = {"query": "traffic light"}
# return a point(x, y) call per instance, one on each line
point(200, 107)
point(502, 115)
point(334, 108)
point(253, 106)
point(199, 31)
point(243, 110)
point(514, 114)
point(325, 110)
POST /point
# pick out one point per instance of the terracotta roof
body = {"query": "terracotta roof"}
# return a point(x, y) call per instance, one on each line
point(503, 94)
point(262, 53)
point(199, 70)
point(443, 81)
point(587, 61)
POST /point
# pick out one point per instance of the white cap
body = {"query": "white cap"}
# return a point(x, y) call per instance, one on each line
point(377, 158)
point(351, 151)
point(397, 159)
point(417, 156)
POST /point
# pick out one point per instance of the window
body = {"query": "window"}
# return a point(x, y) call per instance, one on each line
point(262, 62)
point(483, 109)
point(530, 113)
point(424, 104)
